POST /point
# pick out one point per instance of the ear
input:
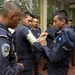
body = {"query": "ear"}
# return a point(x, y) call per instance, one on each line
point(22, 18)
point(11, 16)
point(63, 21)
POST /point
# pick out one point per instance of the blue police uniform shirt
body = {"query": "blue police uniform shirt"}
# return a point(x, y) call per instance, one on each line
point(36, 32)
point(51, 34)
point(60, 52)
point(6, 67)
point(23, 47)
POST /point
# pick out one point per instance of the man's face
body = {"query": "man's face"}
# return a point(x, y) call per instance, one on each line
point(70, 23)
point(13, 20)
point(35, 22)
point(27, 21)
point(58, 23)
point(16, 21)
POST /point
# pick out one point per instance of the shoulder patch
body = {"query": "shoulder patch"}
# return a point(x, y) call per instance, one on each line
point(5, 49)
point(59, 39)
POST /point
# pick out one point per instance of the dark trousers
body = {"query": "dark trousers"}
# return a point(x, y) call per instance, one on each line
point(72, 58)
point(36, 58)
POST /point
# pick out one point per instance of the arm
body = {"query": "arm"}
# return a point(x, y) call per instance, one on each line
point(52, 53)
point(26, 33)
point(31, 38)
point(5, 67)
point(61, 47)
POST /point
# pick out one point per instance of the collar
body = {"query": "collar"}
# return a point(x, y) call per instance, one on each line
point(58, 32)
point(5, 28)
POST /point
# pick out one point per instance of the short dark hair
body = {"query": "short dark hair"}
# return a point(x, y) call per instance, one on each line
point(62, 14)
point(27, 13)
point(36, 17)
point(70, 21)
point(10, 6)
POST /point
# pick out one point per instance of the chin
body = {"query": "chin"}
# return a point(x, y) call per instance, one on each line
point(13, 27)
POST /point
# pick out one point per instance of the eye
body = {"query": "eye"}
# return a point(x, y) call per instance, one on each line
point(19, 19)
point(29, 20)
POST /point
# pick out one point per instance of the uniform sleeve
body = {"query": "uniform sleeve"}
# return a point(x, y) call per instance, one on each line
point(37, 46)
point(54, 53)
point(51, 32)
point(62, 47)
point(5, 66)
point(26, 33)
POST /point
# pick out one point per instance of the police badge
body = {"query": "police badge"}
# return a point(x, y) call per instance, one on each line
point(5, 49)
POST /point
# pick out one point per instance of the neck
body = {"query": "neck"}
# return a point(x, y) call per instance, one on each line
point(3, 21)
point(34, 28)
point(64, 25)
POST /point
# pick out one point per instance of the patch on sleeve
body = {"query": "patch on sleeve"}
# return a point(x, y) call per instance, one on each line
point(59, 39)
point(5, 49)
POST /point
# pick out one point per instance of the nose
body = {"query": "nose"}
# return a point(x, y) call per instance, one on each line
point(53, 23)
point(30, 23)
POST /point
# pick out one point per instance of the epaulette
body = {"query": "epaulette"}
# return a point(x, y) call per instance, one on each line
point(3, 36)
point(66, 29)
point(6, 34)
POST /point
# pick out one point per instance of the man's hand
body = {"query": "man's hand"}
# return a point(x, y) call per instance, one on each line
point(42, 38)
point(43, 34)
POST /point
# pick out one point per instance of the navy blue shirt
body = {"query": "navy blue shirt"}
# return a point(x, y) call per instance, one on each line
point(51, 34)
point(36, 32)
point(6, 67)
point(60, 52)
point(23, 47)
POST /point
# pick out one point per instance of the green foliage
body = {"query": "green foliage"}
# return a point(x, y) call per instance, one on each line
point(35, 6)
point(50, 10)
point(1, 2)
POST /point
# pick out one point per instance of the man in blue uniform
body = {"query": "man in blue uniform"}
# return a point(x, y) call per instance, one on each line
point(10, 17)
point(34, 27)
point(36, 32)
point(61, 49)
point(70, 23)
point(24, 40)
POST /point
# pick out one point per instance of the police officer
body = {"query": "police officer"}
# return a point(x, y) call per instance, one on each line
point(10, 17)
point(24, 40)
point(36, 55)
point(61, 49)
point(34, 27)
point(70, 23)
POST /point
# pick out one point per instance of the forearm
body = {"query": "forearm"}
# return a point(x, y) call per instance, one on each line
point(53, 54)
